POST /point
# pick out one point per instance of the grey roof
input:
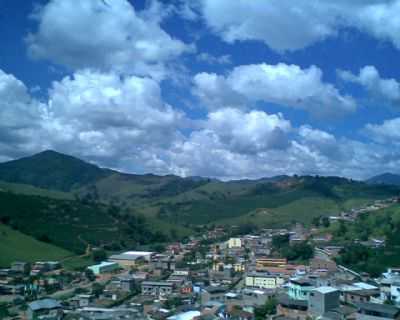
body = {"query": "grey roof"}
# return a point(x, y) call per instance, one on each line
point(44, 304)
point(129, 257)
point(157, 283)
point(382, 308)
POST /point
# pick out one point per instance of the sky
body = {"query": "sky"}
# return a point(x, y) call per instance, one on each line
point(217, 88)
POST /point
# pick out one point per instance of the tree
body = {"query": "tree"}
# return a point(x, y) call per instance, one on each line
point(316, 221)
point(89, 274)
point(269, 308)
point(325, 222)
point(99, 255)
point(97, 289)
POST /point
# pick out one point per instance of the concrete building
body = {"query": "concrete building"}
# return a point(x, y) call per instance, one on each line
point(157, 288)
point(374, 311)
point(104, 267)
point(234, 243)
point(44, 309)
point(300, 288)
point(264, 280)
point(322, 300)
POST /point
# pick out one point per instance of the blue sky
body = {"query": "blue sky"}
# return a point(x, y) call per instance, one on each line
point(204, 87)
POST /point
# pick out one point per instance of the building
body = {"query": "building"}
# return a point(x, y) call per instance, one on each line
point(20, 267)
point(322, 300)
point(234, 243)
point(131, 258)
point(104, 267)
point(374, 311)
point(264, 280)
point(300, 288)
point(318, 264)
point(44, 309)
point(262, 263)
point(110, 314)
point(157, 288)
point(292, 308)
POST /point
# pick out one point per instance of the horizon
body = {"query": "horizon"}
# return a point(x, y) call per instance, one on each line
point(204, 88)
point(201, 177)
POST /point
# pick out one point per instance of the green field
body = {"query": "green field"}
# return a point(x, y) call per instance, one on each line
point(15, 246)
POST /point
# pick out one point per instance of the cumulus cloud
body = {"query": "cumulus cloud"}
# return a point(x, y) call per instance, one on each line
point(105, 35)
point(210, 59)
point(372, 81)
point(20, 117)
point(388, 132)
point(286, 25)
point(123, 122)
point(286, 85)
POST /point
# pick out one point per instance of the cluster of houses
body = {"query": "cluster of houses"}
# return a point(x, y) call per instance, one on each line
point(210, 277)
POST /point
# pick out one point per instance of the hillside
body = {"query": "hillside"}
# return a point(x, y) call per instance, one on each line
point(386, 178)
point(174, 203)
point(381, 224)
point(16, 246)
point(73, 225)
point(51, 170)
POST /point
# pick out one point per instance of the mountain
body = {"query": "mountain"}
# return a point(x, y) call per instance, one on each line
point(174, 203)
point(51, 170)
point(385, 178)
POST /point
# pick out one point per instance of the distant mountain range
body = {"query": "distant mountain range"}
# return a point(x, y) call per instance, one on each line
point(385, 178)
point(107, 207)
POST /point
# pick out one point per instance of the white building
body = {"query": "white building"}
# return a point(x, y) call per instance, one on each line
point(264, 280)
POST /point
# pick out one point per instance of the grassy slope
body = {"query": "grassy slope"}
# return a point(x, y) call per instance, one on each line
point(16, 246)
point(31, 190)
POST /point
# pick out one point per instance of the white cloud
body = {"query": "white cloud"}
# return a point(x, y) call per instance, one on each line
point(387, 133)
point(210, 59)
point(370, 78)
point(286, 25)
point(122, 122)
point(20, 117)
point(108, 116)
point(282, 84)
point(105, 35)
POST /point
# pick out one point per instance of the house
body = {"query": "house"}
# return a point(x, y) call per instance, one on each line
point(104, 267)
point(234, 243)
point(157, 288)
point(262, 263)
point(264, 280)
point(213, 294)
point(322, 300)
point(20, 267)
point(318, 264)
point(44, 309)
point(293, 308)
point(115, 313)
point(375, 311)
point(300, 288)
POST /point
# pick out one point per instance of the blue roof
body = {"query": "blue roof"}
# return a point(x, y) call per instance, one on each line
point(44, 304)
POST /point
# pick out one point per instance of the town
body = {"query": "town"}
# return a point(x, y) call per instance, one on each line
point(221, 274)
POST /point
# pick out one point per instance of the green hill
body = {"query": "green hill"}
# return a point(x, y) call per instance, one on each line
point(385, 178)
point(51, 170)
point(16, 246)
point(171, 202)
point(74, 225)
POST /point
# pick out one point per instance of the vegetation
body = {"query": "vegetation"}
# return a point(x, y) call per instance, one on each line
point(65, 201)
point(15, 246)
point(74, 225)
point(269, 308)
point(383, 224)
point(300, 251)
